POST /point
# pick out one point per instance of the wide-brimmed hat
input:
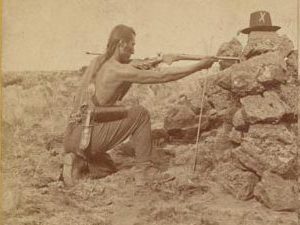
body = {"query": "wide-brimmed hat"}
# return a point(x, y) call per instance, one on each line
point(260, 21)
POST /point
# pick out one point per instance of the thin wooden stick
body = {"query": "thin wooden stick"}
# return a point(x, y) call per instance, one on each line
point(298, 101)
point(199, 124)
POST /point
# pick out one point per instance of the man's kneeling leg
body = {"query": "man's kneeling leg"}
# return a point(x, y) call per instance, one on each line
point(100, 165)
point(73, 169)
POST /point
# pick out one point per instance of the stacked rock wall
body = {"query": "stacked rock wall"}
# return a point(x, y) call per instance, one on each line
point(256, 100)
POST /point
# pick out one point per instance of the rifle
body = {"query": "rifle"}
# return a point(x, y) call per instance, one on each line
point(179, 57)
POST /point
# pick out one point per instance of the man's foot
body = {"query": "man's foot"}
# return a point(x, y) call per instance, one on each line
point(147, 173)
point(72, 169)
point(101, 165)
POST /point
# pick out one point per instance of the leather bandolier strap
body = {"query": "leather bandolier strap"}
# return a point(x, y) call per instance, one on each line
point(108, 113)
point(90, 113)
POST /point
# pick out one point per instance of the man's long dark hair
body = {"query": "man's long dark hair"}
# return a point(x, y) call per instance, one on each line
point(119, 33)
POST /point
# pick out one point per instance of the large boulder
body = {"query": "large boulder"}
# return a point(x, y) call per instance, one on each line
point(181, 123)
point(255, 75)
point(266, 108)
point(260, 42)
point(237, 182)
point(232, 48)
point(276, 193)
point(268, 147)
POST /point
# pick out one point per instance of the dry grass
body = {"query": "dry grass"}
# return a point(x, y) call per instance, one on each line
point(34, 118)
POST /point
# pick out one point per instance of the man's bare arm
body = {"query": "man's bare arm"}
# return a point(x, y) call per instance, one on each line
point(146, 64)
point(131, 74)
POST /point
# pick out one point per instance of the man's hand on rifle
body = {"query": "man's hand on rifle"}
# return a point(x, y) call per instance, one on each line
point(209, 61)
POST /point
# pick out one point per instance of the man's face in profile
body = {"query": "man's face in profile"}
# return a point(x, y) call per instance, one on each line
point(127, 49)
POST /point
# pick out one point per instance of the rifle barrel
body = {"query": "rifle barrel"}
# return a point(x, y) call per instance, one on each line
point(228, 58)
point(199, 57)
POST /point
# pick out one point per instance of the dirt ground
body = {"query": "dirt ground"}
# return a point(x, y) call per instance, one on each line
point(34, 121)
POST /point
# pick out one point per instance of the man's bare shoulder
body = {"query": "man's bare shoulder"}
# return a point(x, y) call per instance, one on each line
point(119, 69)
point(113, 70)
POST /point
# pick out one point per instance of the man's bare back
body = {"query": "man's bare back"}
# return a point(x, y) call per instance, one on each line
point(110, 89)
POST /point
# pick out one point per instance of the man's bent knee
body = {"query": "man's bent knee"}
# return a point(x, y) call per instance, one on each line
point(141, 110)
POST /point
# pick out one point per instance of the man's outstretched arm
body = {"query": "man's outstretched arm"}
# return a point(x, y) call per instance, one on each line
point(125, 72)
point(146, 64)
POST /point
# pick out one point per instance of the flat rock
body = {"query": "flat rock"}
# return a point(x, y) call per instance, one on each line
point(268, 147)
point(266, 108)
point(276, 193)
point(237, 182)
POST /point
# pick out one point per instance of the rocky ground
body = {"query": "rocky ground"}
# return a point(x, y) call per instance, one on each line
point(247, 163)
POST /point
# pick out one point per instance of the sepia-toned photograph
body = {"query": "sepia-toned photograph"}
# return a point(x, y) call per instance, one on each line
point(153, 112)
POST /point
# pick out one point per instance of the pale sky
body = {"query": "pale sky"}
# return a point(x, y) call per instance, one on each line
point(54, 34)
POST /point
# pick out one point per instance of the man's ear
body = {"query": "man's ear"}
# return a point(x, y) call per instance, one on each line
point(121, 43)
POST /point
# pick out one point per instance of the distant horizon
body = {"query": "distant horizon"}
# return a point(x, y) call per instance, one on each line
point(54, 35)
point(56, 70)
